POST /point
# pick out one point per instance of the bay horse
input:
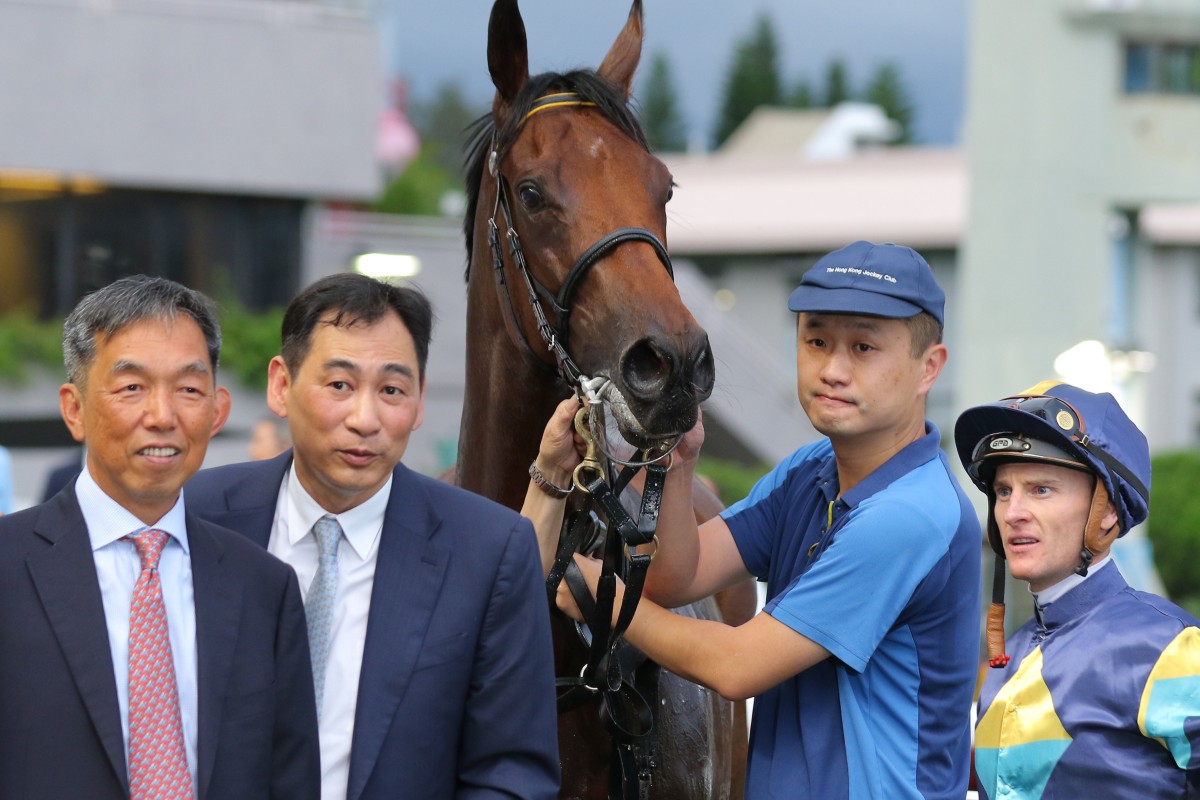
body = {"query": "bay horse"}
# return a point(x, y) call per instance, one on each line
point(561, 162)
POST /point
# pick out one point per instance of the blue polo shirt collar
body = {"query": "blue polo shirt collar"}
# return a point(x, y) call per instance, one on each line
point(912, 456)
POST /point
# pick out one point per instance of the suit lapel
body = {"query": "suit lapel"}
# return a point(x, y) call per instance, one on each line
point(248, 507)
point(65, 577)
point(408, 576)
point(250, 503)
point(218, 610)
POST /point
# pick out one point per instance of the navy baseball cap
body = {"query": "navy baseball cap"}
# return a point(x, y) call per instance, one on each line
point(876, 280)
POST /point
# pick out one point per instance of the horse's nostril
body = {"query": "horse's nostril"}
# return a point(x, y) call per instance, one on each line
point(651, 368)
point(703, 372)
point(646, 369)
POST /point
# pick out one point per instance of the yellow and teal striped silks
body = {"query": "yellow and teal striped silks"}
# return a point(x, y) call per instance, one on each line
point(1171, 697)
point(1102, 700)
point(1020, 739)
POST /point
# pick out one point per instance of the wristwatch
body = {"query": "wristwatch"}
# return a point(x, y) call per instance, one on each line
point(540, 481)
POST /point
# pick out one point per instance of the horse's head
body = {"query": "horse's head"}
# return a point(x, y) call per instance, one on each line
point(562, 162)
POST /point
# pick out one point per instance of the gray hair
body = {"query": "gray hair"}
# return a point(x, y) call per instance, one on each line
point(125, 302)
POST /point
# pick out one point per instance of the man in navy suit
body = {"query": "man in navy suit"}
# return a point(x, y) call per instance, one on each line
point(138, 641)
point(427, 615)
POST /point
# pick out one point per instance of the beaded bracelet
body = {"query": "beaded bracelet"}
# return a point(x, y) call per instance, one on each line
point(540, 481)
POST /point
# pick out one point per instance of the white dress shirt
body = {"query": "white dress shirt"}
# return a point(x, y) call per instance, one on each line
point(118, 567)
point(293, 542)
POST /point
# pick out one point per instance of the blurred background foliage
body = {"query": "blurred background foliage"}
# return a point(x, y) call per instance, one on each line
point(733, 480)
point(1174, 526)
point(250, 339)
point(26, 341)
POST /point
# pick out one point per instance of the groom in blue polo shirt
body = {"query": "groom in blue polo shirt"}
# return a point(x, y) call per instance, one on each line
point(863, 662)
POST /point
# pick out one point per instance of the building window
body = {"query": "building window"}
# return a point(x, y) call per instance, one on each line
point(56, 245)
point(1162, 68)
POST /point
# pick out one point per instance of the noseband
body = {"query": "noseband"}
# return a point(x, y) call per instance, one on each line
point(554, 336)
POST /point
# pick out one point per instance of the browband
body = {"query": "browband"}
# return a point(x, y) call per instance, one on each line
point(556, 100)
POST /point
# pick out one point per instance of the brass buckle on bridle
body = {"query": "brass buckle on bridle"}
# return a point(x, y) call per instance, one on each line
point(591, 462)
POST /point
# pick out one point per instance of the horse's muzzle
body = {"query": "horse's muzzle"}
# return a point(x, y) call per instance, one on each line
point(668, 377)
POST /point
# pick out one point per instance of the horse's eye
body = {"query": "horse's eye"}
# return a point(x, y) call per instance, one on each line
point(670, 193)
point(530, 196)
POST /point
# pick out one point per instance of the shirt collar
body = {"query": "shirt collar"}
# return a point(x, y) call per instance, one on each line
point(108, 521)
point(909, 458)
point(1101, 581)
point(1049, 595)
point(361, 525)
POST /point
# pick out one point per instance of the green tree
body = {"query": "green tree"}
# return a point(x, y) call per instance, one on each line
point(887, 91)
point(442, 125)
point(250, 341)
point(25, 341)
point(801, 95)
point(665, 128)
point(837, 83)
point(1174, 526)
point(753, 78)
point(420, 188)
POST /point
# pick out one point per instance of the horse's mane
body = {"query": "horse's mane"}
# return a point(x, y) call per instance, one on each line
point(586, 83)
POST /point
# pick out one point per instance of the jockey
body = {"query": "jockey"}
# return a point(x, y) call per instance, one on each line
point(1102, 691)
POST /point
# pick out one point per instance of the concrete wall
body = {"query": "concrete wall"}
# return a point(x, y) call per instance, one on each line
point(233, 96)
point(1054, 149)
point(1169, 308)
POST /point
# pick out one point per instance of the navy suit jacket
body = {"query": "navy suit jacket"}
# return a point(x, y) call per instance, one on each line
point(456, 693)
point(60, 724)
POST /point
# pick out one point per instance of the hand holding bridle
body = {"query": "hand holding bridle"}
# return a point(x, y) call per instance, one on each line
point(561, 448)
point(590, 569)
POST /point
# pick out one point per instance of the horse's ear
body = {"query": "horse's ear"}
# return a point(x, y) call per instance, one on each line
point(508, 52)
point(622, 59)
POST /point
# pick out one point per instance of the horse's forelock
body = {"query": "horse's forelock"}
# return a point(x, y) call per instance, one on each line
point(586, 83)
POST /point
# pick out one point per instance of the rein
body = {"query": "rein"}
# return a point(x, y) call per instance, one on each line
point(623, 678)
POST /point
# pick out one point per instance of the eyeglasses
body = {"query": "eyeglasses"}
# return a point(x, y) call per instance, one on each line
point(1054, 410)
point(1062, 415)
point(1010, 445)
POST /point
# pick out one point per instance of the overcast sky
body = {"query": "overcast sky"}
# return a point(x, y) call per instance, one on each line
point(430, 43)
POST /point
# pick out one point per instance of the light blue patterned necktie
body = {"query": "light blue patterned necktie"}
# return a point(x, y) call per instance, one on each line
point(318, 606)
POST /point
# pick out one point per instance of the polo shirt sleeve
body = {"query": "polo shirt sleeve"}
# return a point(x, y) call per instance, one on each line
point(756, 520)
point(854, 593)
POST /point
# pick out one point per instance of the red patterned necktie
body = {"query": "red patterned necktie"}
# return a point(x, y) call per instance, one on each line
point(158, 768)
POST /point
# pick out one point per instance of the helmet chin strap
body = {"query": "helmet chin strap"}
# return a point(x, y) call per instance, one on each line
point(995, 618)
point(1096, 539)
point(997, 658)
